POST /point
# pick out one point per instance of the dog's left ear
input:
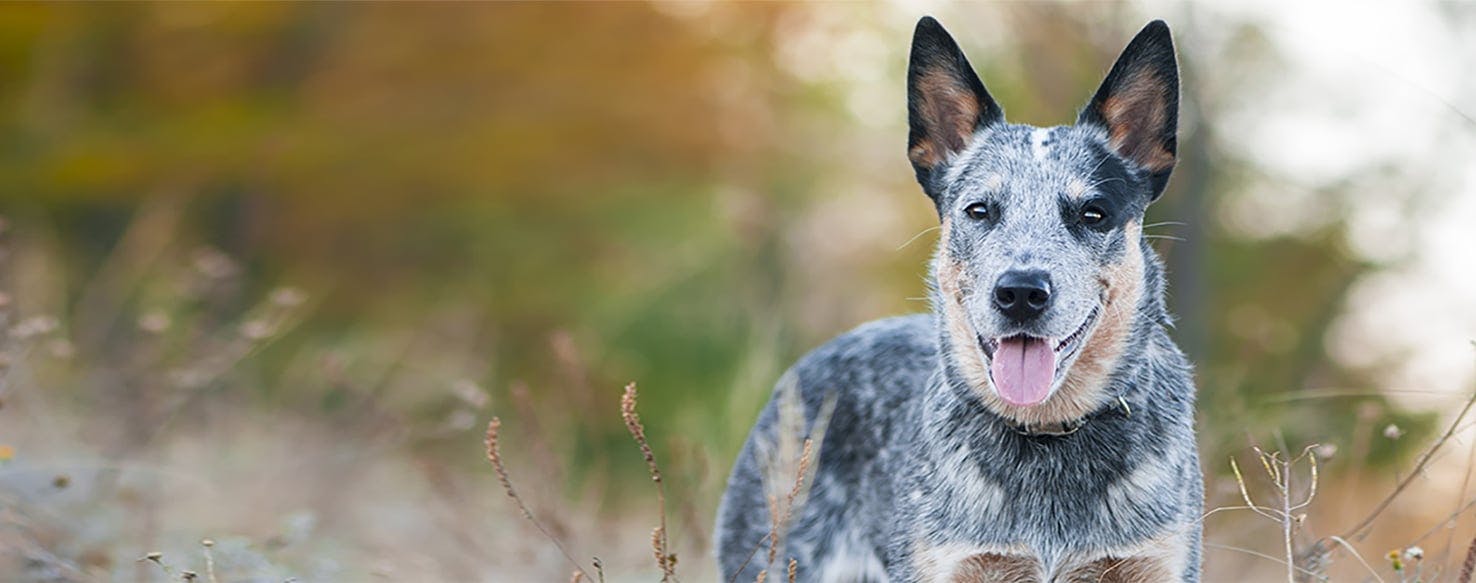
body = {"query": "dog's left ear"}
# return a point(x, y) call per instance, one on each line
point(946, 101)
point(1138, 105)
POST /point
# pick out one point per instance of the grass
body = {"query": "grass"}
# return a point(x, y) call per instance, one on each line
point(1303, 558)
point(174, 423)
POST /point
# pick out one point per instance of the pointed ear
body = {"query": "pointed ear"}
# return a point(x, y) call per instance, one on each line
point(946, 102)
point(1138, 105)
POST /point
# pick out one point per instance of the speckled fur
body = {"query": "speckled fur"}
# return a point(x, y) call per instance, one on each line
point(922, 475)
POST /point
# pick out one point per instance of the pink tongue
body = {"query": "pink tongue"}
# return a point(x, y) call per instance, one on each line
point(1023, 369)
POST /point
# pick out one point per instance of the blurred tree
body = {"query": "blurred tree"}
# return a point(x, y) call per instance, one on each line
point(689, 196)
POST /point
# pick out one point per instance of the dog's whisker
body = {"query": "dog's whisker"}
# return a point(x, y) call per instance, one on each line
point(1098, 166)
point(1104, 181)
point(914, 237)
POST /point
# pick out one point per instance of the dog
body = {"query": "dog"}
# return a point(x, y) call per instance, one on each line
point(1038, 425)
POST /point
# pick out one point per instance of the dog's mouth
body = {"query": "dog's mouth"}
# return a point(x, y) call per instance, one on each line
point(1026, 369)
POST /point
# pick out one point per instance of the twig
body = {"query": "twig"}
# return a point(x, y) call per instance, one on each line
point(1240, 481)
point(207, 544)
point(494, 455)
point(1361, 530)
point(774, 529)
point(1257, 554)
point(1469, 564)
point(1356, 555)
point(1447, 523)
point(665, 560)
point(1465, 487)
point(779, 520)
point(749, 558)
point(1279, 470)
point(788, 428)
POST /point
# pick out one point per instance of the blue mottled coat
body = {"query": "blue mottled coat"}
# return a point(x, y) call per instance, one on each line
point(923, 472)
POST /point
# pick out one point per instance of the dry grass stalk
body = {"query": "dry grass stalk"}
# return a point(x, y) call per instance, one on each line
point(749, 558)
point(776, 523)
point(522, 400)
point(1469, 565)
point(494, 455)
point(799, 479)
point(779, 519)
point(207, 544)
point(1361, 530)
point(665, 560)
point(788, 460)
point(774, 527)
point(657, 535)
point(1280, 471)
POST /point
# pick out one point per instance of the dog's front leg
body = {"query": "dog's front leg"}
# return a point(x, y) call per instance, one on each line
point(1161, 560)
point(955, 563)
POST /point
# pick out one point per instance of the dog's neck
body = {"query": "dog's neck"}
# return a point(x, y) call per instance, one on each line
point(1070, 426)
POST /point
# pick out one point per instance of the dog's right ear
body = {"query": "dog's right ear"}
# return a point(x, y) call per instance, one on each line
point(946, 102)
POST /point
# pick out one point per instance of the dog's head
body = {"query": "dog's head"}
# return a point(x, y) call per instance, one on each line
point(1040, 266)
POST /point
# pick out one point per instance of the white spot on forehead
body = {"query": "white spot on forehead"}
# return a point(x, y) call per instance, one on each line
point(994, 182)
point(1038, 143)
point(1076, 188)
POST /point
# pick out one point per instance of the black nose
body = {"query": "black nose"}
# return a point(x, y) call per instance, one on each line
point(1022, 295)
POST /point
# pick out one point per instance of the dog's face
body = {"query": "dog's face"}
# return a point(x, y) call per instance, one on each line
point(1040, 267)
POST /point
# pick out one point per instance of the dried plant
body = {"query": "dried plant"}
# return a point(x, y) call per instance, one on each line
point(206, 545)
point(788, 469)
point(1361, 530)
point(494, 455)
point(1286, 511)
point(665, 560)
point(1469, 565)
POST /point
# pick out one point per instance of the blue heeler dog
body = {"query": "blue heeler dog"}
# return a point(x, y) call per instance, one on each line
point(1039, 425)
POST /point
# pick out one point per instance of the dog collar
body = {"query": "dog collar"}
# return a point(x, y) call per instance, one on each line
point(1064, 428)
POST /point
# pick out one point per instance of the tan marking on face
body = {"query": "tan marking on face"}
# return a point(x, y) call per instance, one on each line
point(1135, 114)
point(962, 563)
point(949, 111)
point(1122, 285)
point(1163, 558)
point(949, 273)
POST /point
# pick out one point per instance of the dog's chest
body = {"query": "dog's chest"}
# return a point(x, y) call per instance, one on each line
point(1054, 513)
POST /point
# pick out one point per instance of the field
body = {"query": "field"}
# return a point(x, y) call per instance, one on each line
point(268, 272)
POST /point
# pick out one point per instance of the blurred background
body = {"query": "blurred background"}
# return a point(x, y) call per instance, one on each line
point(268, 269)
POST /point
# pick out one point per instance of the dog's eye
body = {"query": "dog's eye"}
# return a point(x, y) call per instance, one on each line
point(978, 211)
point(1093, 215)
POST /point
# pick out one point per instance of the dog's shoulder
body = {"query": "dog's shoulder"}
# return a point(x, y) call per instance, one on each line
point(863, 380)
point(870, 362)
